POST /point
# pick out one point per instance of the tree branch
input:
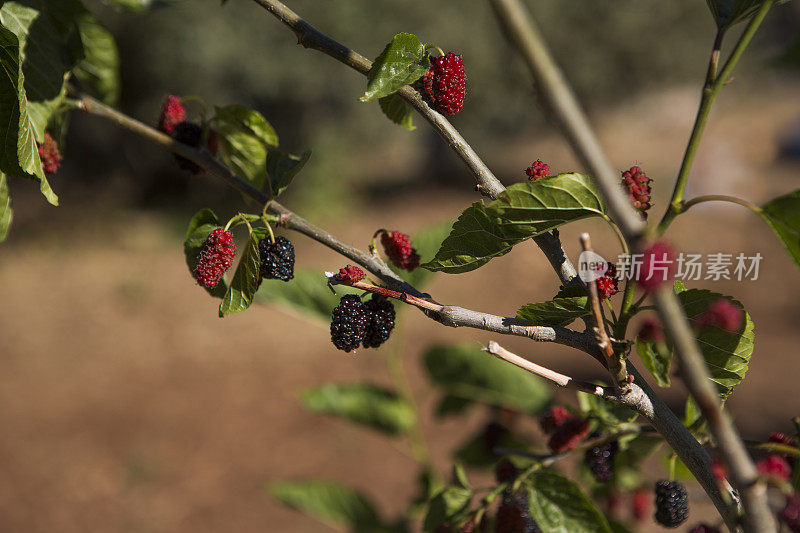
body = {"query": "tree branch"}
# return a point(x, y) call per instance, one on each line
point(560, 99)
point(488, 184)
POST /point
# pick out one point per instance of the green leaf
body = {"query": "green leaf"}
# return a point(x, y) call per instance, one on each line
point(556, 312)
point(460, 476)
point(6, 213)
point(329, 502)
point(691, 412)
point(362, 403)
point(609, 414)
point(246, 279)
point(447, 504)
point(558, 505)
point(202, 223)
point(403, 61)
point(398, 111)
point(656, 359)
point(783, 215)
point(282, 168)
point(248, 121)
point(98, 71)
point(727, 353)
point(466, 371)
point(451, 406)
point(134, 6)
point(523, 211)
point(728, 13)
point(19, 154)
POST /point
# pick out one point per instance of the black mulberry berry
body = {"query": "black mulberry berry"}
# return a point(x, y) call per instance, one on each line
point(514, 515)
point(381, 321)
point(277, 258)
point(672, 507)
point(349, 323)
point(600, 461)
point(190, 133)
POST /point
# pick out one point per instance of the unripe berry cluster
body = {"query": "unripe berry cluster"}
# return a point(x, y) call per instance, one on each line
point(49, 154)
point(637, 184)
point(215, 258)
point(537, 170)
point(608, 284)
point(567, 431)
point(445, 84)
point(399, 250)
point(172, 121)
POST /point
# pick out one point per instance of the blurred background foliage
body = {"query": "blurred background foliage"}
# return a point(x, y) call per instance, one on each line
point(610, 49)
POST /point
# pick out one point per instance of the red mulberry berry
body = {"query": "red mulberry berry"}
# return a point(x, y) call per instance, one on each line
point(781, 438)
point(672, 507)
point(537, 170)
point(190, 133)
point(719, 469)
point(651, 331)
point(445, 83)
point(381, 314)
point(173, 113)
point(215, 258)
point(505, 471)
point(775, 466)
point(722, 314)
point(349, 275)
point(277, 258)
point(704, 528)
point(399, 250)
point(657, 267)
point(514, 514)
point(791, 513)
point(637, 184)
point(554, 418)
point(569, 435)
point(640, 503)
point(600, 461)
point(49, 154)
point(349, 323)
point(608, 284)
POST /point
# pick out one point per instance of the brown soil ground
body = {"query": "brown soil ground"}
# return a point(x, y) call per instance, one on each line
point(127, 405)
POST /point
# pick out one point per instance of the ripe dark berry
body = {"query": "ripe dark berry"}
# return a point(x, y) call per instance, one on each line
point(349, 323)
point(554, 418)
point(173, 113)
point(49, 154)
point(215, 257)
point(651, 331)
point(445, 84)
point(637, 184)
point(672, 507)
point(514, 514)
point(277, 258)
point(349, 275)
point(569, 435)
point(381, 321)
point(190, 133)
point(722, 314)
point(608, 284)
point(399, 250)
point(775, 466)
point(493, 435)
point(505, 471)
point(704, 528)
point(657, 267)
point(600, 461)
point(791, 513)
point(537, 170)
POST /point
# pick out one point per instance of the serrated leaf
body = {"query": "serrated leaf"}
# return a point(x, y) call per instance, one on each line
point(249, 121)
point(398, 111)
point(523, 211)
point(657, 360)
point(201, 224)
point(246, 279)
point(558, 505)
point(403, 61)
point(447, 503)
point(468, 372)
point(19, 154)
point(727, 353)
point(242, 151)
point(783, 215)
point(98, 71)
point(555, 312)
point(6, 213)
point(362, 403)
point(329, 502)
point(282, 167)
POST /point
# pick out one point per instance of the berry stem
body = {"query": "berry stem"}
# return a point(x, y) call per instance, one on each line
point(402, 296)
point(441, 52)
point(720, 198)
point(620, 237)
